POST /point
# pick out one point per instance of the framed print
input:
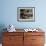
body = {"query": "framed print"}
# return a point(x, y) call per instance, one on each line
point(26, 14)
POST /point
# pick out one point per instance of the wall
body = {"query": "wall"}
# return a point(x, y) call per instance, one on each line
point(9, 13)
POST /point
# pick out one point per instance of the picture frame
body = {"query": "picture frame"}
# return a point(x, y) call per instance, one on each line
point(26, 14)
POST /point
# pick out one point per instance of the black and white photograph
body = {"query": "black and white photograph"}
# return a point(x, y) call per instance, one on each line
point(26, 14)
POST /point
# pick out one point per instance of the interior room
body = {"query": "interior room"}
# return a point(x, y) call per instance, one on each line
point(11, 12)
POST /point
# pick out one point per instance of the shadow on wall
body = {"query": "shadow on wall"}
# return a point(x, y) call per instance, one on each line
point(2, 26)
